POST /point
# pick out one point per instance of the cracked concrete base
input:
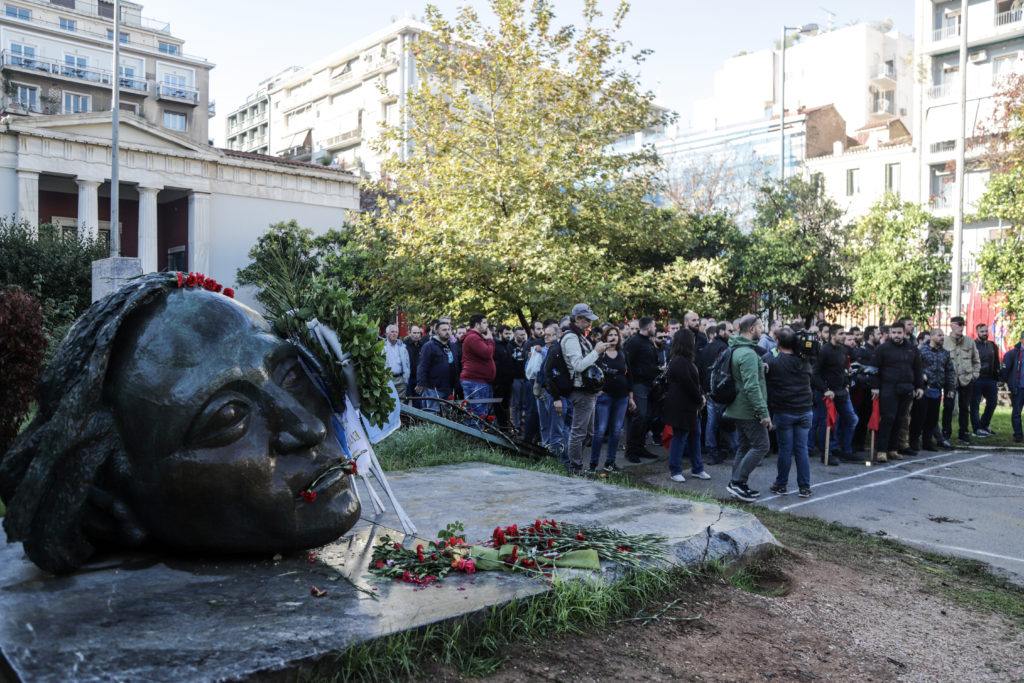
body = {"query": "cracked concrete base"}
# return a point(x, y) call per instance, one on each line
point(142, 617)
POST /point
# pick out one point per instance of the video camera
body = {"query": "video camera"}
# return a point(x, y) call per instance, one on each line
point(807, 344)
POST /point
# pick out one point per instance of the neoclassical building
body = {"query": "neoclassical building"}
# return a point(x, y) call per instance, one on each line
point(183, 205)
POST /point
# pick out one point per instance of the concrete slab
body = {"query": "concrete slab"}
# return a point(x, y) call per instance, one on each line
point(146, 618)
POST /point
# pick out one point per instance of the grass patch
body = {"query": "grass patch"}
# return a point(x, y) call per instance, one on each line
point(1001, 425)
point(477, 646)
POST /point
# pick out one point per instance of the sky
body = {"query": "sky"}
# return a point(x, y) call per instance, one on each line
point(690, 39)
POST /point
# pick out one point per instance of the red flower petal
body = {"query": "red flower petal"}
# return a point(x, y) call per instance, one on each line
point(229, 293)
point(308, 496)
point(181, 280)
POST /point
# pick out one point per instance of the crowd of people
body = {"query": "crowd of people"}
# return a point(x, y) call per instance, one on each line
point(713, 391)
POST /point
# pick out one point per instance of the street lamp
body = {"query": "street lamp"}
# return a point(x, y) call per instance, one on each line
point(801, 30)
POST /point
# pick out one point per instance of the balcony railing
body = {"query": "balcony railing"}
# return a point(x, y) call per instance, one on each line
point(177, 92)
point(341, 139)
point(1010, 17)
point(943, 146)
point(946, 32)
point(939, 91)
point(940, 201)
point(64, 70)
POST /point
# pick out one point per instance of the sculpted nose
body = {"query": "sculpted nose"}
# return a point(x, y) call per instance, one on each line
point(297, 428)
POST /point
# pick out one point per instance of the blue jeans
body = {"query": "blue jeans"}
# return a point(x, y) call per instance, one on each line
point(1017, 403)
point(987, 389)
point(791, 433)
point(552, 427)
point(432, 405)
point(609, 415)
point(521, 396)
point(846, 423)
point(476, 390)
point(715, 411)
point(688, 442)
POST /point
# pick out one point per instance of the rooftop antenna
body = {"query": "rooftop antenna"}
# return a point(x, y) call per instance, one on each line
point(831, 16)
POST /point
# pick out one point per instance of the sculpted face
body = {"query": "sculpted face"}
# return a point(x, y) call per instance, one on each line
point(223, 430)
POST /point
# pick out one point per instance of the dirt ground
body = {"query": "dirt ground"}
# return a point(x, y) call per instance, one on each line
point(833, 623)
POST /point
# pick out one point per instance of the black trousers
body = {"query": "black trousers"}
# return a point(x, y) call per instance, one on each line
point(924, 418)
point(964, 394)
point(893, 401)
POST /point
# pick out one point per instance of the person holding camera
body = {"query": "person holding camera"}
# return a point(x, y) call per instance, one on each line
point(580, 358)
point(790, 401)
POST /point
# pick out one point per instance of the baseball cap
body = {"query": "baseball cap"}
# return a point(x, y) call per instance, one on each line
point(583, 310)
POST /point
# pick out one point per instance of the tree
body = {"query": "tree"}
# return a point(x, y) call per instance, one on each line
point(724, 182)
point(512, 203)
point(900, 257)
point(794, 260)
point(1000, 260)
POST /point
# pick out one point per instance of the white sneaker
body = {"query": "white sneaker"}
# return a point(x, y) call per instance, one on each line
point(702, 475)
point(679, 478)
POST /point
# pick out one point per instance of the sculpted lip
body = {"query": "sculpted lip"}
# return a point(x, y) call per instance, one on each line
point(327, 478)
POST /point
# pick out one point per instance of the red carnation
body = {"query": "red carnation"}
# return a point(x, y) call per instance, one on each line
point(200, 279)
point(229, 293)
point(308, 496)
point(181, 280)
point(380, 564)
point(490, 418)
point(451, 397)
point(190, 281)
point(579, 537)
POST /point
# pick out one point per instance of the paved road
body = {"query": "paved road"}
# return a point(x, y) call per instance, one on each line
point(967, 502)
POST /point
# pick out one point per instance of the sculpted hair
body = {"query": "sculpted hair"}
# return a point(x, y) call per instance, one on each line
point(47, 479)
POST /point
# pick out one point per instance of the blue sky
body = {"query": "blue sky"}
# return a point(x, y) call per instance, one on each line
point(690, 38)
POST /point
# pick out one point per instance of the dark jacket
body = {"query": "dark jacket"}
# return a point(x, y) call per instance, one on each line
point(830, 369)
point(643, 359)
point(504, 365)
point(414, 349)
point(1012, 369)
point(519, 356)
point(477, 358)
point(898, 365)
point(683, 398)
point(617, 380)
point(435, 371)
point(938, 368)
point(706, 358)
point(789, 384)
point(988, 353)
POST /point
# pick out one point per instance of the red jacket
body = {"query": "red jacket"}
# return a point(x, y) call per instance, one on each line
point(477, 358)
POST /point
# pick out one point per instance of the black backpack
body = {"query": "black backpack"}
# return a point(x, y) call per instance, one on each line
point(557, 380)
point(722, 383)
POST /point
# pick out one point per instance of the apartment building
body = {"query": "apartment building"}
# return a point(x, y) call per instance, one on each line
point(56, 57)
point(995, 39)
point(331, 111)
point(247, 128)
point(866, 72)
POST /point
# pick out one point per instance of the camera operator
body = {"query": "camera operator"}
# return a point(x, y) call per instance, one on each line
point(832, 381)
point(898, 382)
point(790, 400)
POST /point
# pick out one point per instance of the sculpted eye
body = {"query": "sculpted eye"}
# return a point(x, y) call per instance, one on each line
point(290, 375)
point(223, 421)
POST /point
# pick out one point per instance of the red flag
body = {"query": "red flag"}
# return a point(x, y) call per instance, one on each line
point(875, 417)
point(833, 415)
point(666, 436)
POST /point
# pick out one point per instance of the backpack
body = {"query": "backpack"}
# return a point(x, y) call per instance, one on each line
point(557, 380)
point(722, 383)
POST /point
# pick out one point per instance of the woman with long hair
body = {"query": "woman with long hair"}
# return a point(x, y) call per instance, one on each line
point(615, 398)
point(683, 403)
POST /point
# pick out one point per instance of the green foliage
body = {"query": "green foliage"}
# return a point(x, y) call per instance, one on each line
point(54, 267)
point(22, 349)
point(900, 256)
point(794, 258)
point(513, 206)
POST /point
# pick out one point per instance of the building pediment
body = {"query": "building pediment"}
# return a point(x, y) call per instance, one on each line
point(133, 131)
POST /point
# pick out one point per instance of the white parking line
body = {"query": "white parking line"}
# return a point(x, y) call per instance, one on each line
point(880, 483)
point(972, 481)
point(972, 551)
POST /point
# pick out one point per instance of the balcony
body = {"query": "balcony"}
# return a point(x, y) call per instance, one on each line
point(940, 91)
point(378, 64)
point(884, 76)
point(343, 139)
point(881, 108)
point(88, 75)
point(177, 93)
point(945, 33)
point(1012, 16)
point(942, 146)
point(940, 201)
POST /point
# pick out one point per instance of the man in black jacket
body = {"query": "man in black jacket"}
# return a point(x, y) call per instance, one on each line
point(985, 386)
point(789, 400)
point(720, 443)
point(414, 344)
point(831, 381)
point(438, 369)
point(642, 355)
point(898, 382)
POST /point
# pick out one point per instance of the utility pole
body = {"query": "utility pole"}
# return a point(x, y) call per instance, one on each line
point(115, 180)
point(961, 144)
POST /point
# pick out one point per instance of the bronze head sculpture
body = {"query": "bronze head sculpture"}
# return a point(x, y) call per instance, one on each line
point(176, 418)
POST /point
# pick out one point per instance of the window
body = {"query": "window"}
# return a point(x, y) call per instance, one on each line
point(177, 86)
point(75, 104)
point(168, 48)
point(70, 4)
point(177, 259)
point(128, 80)
point(110, 36)
point(105, 9)
point(1001, 67)
point(892, 178)
point(75, 66)
point(17, 12)
point(174, 120)
point(852, 181)
point(67, 24)
point(27, 97)
point(21, 55)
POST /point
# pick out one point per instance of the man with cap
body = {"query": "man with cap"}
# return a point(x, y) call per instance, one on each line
point(580, 355)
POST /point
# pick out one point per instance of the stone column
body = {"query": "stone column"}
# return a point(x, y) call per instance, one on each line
point(89, 207)
point(199, 233)
point(28, 198)
point(148, 252)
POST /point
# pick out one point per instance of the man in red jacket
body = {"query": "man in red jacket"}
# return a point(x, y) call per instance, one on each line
point(477, 364)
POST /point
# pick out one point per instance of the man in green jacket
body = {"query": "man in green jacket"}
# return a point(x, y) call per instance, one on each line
point(749, 409)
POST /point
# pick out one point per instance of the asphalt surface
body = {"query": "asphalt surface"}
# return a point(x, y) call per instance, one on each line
point(967, 502)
